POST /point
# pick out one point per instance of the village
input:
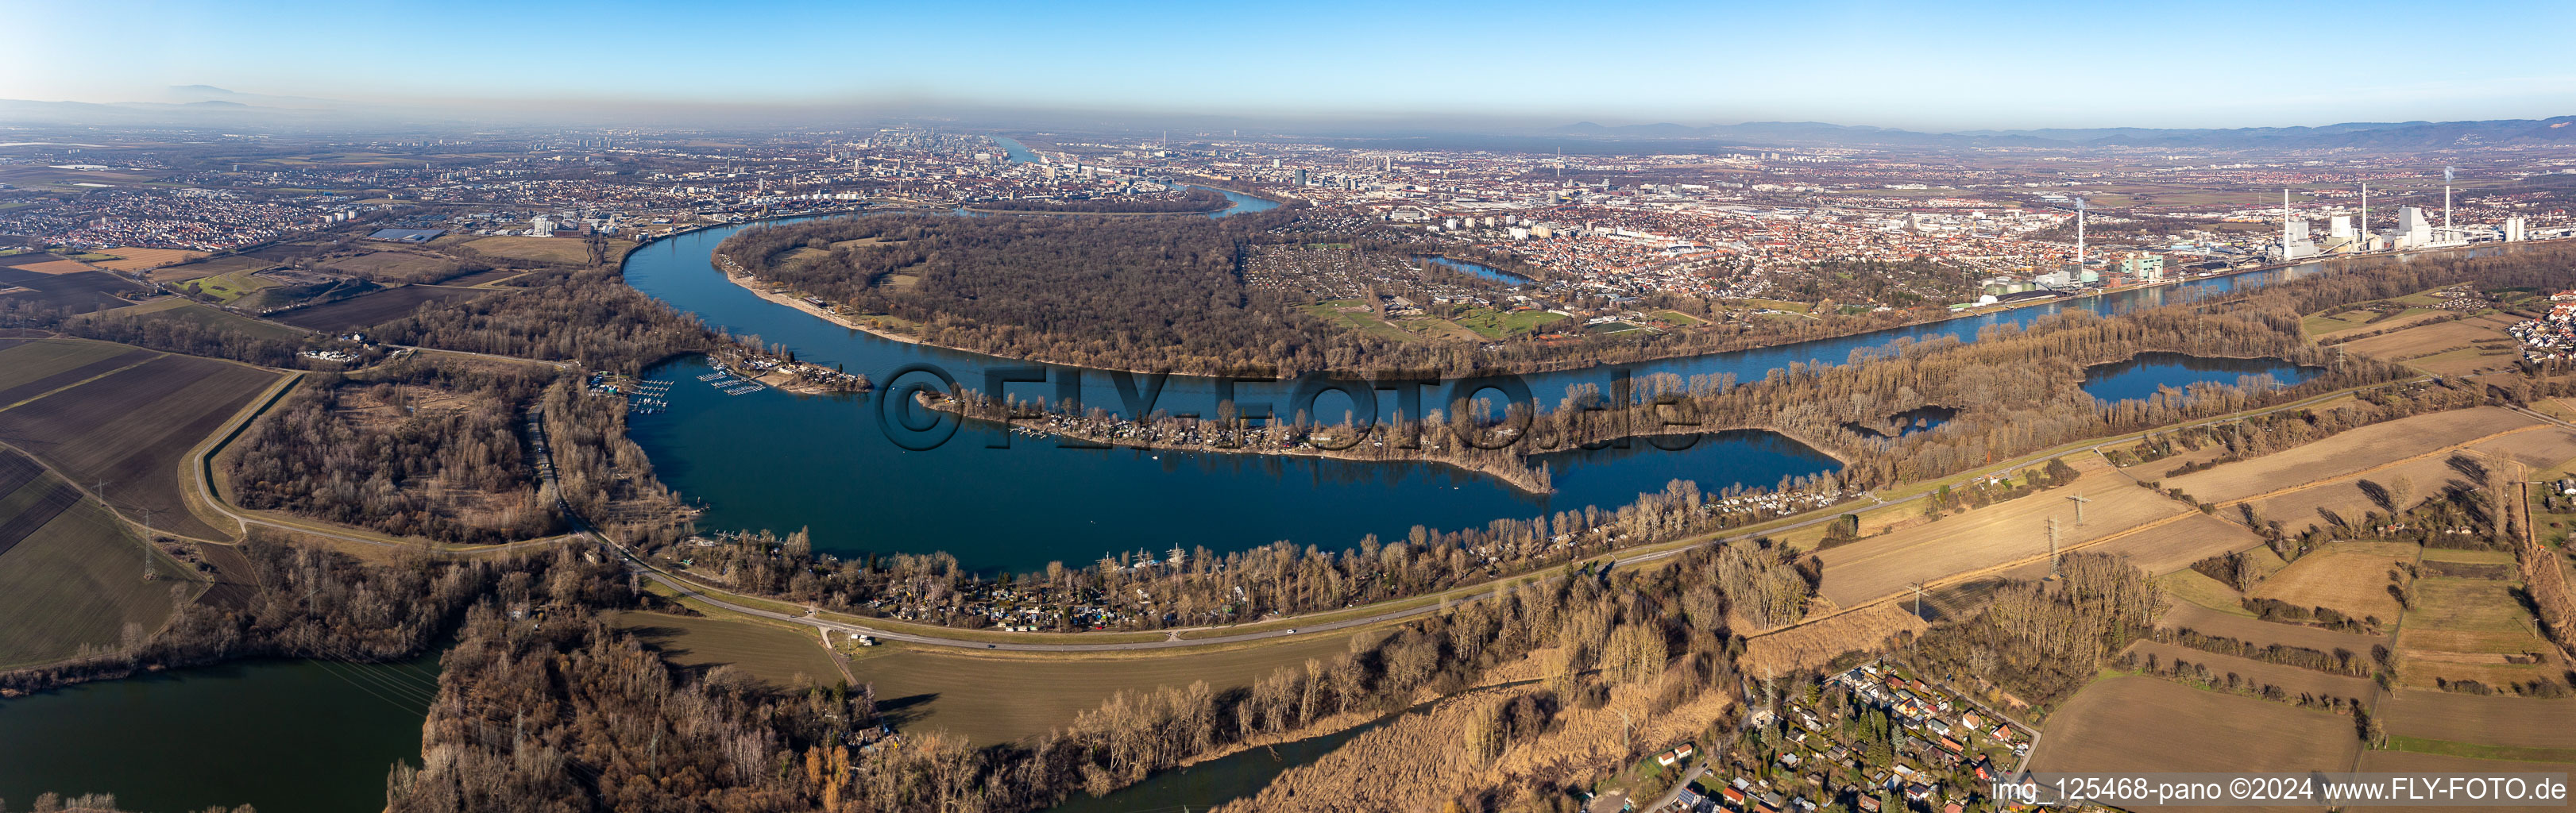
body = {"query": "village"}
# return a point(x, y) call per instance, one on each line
point(1872, 738)
point(2553, 336)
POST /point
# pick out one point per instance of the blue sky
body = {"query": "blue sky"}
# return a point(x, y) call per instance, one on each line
point(1902, 64)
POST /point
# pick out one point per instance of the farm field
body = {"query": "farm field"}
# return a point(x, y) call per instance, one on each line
point(1882, 566)
point(208, 268)
point(373, 308)
point(2431, 337)
point(394, 266)
point(2349, 577)
point(2327, 327)
point(777, 656)
point(70, 575)
point(130, 430)
point(2347, 500)
point(2134, 723)
point(2264, 633)
point(80, 291)
point(188, 310)
point(2351, 453)
point(1001, 697)
point(1494, 324)
point(34, 368)
point(2174, 547)
point(564, 250)
point(2472, 629)
point(2294, 680)
point(2484, 719)
point(1810, 646)
point(136, 259)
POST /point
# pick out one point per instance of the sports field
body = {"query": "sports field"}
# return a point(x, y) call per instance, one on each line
point(2136, 723)
point(130, 429)
point(71, 577)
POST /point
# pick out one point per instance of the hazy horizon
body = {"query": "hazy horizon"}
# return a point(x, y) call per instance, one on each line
point(2006, 66)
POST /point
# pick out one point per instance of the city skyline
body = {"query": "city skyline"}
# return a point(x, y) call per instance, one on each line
point(1534, 65)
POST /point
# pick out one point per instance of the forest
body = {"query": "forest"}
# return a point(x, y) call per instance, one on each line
point(1189, 201)
point(564, 713)
point(589, 317)
point(416, 448)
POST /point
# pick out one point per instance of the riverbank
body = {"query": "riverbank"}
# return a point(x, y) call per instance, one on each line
point(1520, 476)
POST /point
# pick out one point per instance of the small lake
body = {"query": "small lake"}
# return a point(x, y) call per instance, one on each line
point(2140, 378)
point(1479, 269)
point(281, 736)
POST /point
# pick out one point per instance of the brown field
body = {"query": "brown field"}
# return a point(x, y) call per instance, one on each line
point(1882, 566)
point(2353, 453)
point(2469, 615)
point(137, 259)
point(564, 250)
point(2398, 323)
point(209, 268)
point(2425, 340)
point(777, 656)
point(393, 266)
point(2291, 679)
point(70, 575)
point(53, 267)
point(2134, 723)
point(233, 584)
point(79, 293)
point(131, 429)
point(2350, 577)
point(1810, 646)
point(2545, 447)
point(2487, 720)
point(2263, 633)
point(999, 697)
point(187, 310)
point(2174, 547)
point(372, 308)
point(34, 368)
